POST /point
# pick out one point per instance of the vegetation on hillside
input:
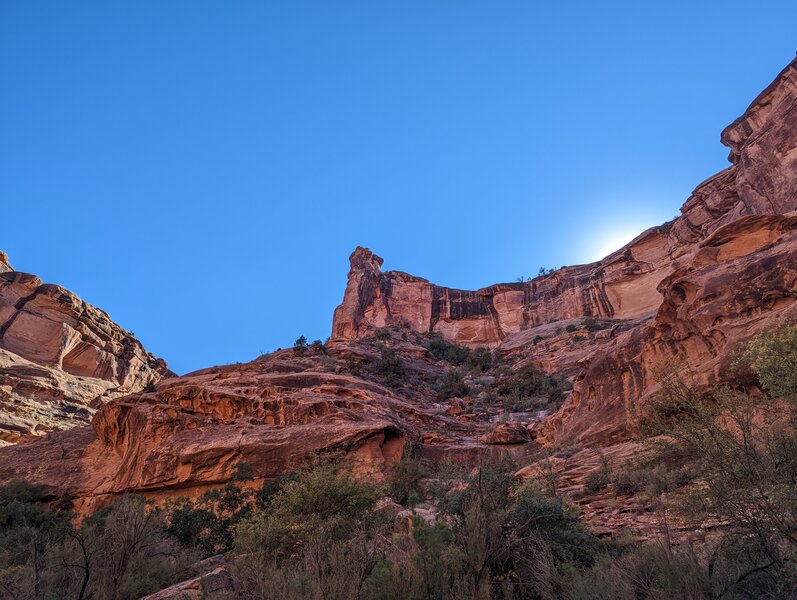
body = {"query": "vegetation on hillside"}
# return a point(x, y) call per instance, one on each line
point(723, 456)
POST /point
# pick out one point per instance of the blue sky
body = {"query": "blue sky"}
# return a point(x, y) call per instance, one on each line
point(202, 170)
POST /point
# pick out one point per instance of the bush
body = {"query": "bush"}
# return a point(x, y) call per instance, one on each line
point(571, 328)
point(319, 538)
point(529, 382)
point(443, 350)
point(453, 386)
point(596, 481)
point(403, 481)
point(480, 360)
point(208, 524)
point(121, 552)
point(773, 357)
point(742, 452)
point(300, 345)
point(390, 368)
point(591, 325)
point(651, 571)
point(628, 484)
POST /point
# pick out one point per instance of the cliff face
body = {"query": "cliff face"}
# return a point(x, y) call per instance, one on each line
point(60, 357)
point(723, 269)
point(622, 286)
point(689, 290)
point(189, 433)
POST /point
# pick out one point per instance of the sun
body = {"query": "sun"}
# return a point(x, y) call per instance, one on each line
point(613, 242)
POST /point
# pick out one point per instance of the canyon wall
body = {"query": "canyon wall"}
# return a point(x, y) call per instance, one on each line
point(689, 291)
point(60, 357)
point(693, 288)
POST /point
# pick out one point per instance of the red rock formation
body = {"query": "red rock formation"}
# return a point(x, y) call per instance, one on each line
point(60, 357)
point(689, 289)
point(191, 432)
point(692, 287)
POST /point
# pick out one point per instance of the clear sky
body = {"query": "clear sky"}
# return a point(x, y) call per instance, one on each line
point(202, 170)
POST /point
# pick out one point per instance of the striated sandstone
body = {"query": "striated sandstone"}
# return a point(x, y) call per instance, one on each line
point(60, 357)
point(690, 289)
point(509, 432)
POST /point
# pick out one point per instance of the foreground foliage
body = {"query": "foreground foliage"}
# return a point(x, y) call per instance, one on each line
point(120, 553)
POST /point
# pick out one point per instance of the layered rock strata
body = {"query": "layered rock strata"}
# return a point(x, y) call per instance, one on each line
point(690, 289)
point(60, 358)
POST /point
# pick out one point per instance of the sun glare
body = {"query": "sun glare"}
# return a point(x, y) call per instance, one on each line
point(613, 241)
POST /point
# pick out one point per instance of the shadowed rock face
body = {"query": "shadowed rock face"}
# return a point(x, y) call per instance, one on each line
point(696, 286)
point(60, 357)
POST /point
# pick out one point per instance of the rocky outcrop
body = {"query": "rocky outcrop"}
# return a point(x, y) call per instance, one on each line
point(4, 265)
point(191, 433)
point(209, 576)
point(60, 357)
point(689, 291)
point(621, 286)
point(742, 280)
point(509, 432)
point(691, 288)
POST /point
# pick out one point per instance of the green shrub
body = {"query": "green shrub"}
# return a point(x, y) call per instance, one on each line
point(300, 345)
point(596, 481)
point(209, 522)
point(571, 328)
point(452, 353)
point(354, 366)
point(390, 368)
point(591, 325)
point(403, 481)
point(479, 360)
point(121, 552)
point(772, 355)
point(628, 484)
point(528, 382)
point(241, 471)
point(452, 386)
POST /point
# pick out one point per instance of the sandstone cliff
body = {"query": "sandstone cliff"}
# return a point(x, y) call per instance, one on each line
point(724, 268)
point(688, 290)
point(60, 357)
point(189, 433)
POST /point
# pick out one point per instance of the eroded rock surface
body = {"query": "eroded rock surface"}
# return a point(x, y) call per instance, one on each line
point(690, 289)
point(190, 433)
point(60, 358)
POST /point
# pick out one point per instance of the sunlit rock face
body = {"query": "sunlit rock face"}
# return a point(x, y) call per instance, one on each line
point(622, 286)
point(694, 287)
point(190, 433)
point(60, 358)
point(690, 290)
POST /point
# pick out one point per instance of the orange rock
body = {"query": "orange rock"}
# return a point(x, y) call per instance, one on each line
point(509, 432)
point(60, 357)
point(691, 288)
